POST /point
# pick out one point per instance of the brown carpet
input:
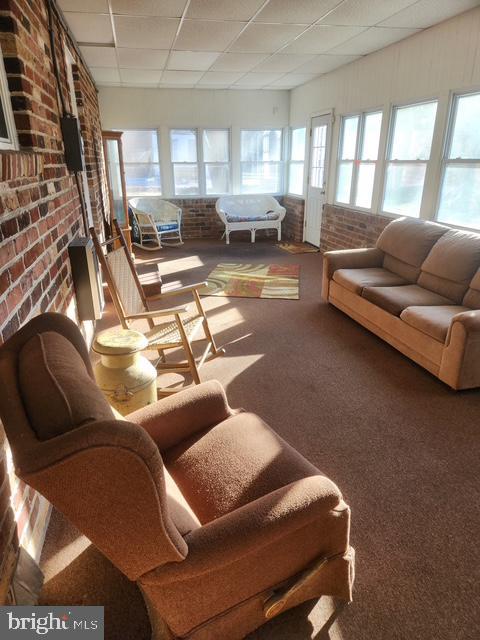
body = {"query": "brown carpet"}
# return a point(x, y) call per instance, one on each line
point(402, 446)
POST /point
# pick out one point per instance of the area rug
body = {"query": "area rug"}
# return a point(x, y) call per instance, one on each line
point(298, 247)
point(254, 281)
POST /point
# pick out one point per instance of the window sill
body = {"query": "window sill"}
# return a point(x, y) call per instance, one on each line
point(19, 164)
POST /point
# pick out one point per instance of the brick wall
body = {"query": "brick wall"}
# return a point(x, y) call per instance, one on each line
point(349, 229)
point(294, 218)
point(40, 213)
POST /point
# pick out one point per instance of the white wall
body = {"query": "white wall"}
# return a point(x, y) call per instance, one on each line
point(429, 64)
point(162, 109)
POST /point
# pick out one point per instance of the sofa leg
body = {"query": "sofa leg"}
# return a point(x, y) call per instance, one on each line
point(279, 234)
point(227, 237)
point(252, 232)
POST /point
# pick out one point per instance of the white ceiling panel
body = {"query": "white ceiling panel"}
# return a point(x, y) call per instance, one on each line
point(145, 33)
point(238, 61)
point(322, 38)
point(265, 38)
point(142, 58)
point(373, 39)
point(144, 77)
point(284, 62)
point(99, 56)
point(184, 78)
point(292, 80)
point(258, 79)
point(91, 27)
point(425, 13)
point(207, 35)
point(161, 8)
point(324, 63)
point(105, 75)
point(241, 10)
point(192, 60)
point(365, 13)
point(295, 11)
point(220, 78)
point(86, 6)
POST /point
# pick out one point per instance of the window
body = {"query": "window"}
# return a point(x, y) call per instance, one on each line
point(184, 154)
point(297, 161)
point(459, 202)
point(261, 161)
point(408, 155)
point(142, 166)
point(358, 155)
point(216, 158)
point(8, 135)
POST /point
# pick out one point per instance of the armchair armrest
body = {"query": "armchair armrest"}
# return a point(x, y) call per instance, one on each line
point(177, 417)
point(172, 311)
point(352, 259)
point(177, 291)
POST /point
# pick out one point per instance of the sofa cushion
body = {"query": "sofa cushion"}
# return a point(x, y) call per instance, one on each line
point(356, 279)
point(472, 296)
point(56, 388)
point(451, 264)
point(434, 321)
point(408, 241)
point(396, 299)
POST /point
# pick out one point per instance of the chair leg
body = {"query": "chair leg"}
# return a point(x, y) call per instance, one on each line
point(188, 350)
point(227, 237)
point(279, 235)
point(252, 232)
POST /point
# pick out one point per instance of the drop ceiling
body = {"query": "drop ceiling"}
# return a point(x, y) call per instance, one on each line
point(239, 44)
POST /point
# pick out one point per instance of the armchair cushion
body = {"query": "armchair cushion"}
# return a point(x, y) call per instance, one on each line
point(57, 390)
point(396, 299)
point(356, 279)
point(434, 321)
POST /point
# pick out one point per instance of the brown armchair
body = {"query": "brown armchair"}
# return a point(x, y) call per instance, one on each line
point(219, 521)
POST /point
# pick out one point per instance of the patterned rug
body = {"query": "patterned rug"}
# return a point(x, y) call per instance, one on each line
point(298, 247)
point(254, 281)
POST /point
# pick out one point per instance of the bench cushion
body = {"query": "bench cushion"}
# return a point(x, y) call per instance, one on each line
point(270, 215)
point(356, 279)
point(434, 321)
point(396, 299)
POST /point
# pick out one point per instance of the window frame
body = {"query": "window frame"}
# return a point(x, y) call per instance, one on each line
point(290, 162)
point(386, 160)
point(447, 144)
point(357, 161)
point(280, 162)
point(11, 142)
point(126, 163)
point(198, 194)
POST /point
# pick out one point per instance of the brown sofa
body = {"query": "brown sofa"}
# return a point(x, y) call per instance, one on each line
point(419, 290)
point(220, 522)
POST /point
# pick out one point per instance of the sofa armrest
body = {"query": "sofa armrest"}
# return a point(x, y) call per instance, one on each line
point(348, 259)
point(178, 417)
point(460, 365)
point(470, 321)
point(257, 524)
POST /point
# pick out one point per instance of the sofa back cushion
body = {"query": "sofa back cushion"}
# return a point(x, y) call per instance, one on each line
point(406, 243)
point(57, 390)
point(451, 264)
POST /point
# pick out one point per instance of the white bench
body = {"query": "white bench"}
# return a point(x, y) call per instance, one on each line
point(250, 213)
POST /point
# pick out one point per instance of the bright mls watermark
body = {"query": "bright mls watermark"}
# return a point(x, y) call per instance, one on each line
point(58, 623)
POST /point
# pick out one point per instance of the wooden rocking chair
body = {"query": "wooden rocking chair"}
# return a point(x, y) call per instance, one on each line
point(131, 303)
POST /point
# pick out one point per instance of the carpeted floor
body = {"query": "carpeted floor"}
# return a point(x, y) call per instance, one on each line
point(403, 448)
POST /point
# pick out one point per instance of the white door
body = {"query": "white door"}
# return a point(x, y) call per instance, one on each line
point(320, 134)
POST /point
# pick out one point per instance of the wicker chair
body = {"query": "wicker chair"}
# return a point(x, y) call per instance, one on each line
point(157, 220)
point(131, 303)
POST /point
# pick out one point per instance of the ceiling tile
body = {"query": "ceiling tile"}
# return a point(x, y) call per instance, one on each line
point(223, 78)
point(192, 60)
point(90, 27)
point(324, 63)
point(373, 39)
point(105, 75)
point(297, 12)
point(292, 80)
point(188, 78)
point(145, 33)
point(425, 13)
point(142, 58)
point(238, 61)
point(322, 38)
point(258, 79)
point(284, 62)
point(215, 10)
point(140, 76)
point(87, 6)
point(165, 8)
point(207, 35)
point(99, 56)
point(265, 37)
point(366, 14)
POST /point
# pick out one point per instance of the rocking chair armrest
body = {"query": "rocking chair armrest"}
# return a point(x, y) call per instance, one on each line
point(175, 292)
point(145, 315)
